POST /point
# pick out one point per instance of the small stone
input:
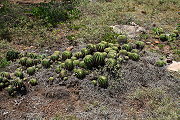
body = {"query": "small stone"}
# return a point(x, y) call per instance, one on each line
point(175, 66)
point(69, 48)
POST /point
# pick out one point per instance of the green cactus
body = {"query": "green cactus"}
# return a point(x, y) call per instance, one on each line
point(127, 47)
point(1, 79)
point(100, 47)
point(110, 44)
point(51, 78)
point(135, 51)
point(126, 57)
point(32, 55)
point(76, 62)
point(63, 73)
point(112, 55)
point(33, 82)
point(89, 61)
point(85, 51)
point(105, 43)
point(133, 56)
point(29, 62)
point(123, 52)
point(69, 64)
point(91, 47)
point(1, 85)
point(31, 70)
point(122, 39)
point(66, 55)
point(140, 44)
point(19, 74)
point(12, 55)
point(160, 63)
point(22, 61)
point(73, 58)
point(46, 63)
point(102, 81)
point(82, 64)
point(115, 48)
point(11, 90)
point(111, 62)
point(107, 49)
point(94, 82)
point(119, 59)
point(163, 37)
point(104, 54)
point(58, 69)
point(54, 57)
point(79, 73)
point(98, 58)
point(6, 75)
point(17, 83)
point(62, 65)
point(78, 55)
point(37, 61)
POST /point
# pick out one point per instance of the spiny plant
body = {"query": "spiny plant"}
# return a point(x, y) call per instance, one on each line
point(107, 49)
point(66, 55)
point(55, 56)
point(98, 58)
point(76, 62)
point(104, 54)
point(110, 44)
point(160, 63)
point(37, 61)
point(102, 81)
point(133, 56)
point(163, 37)
point(105, 43)
point(46, 63)
point(1, 85)
point(100, 47)
point(135, 51)
point(78, 55)
point(12, 55)
point(79, 73)
point(33, 82)
point(158, 31)
point(31, 70)
point(115, 48)
point(22, 61)
point(6, 75)
point(51, 78)
point(91, 47)
point(112, 55)
point(122, 39)
point(63, 73)
point(32, 55)
point(94, 82)
point(29, 62)
point(111, 62)
point(123, 52)
point(19, 74)
point(69, 64)
point(89, 61)
point(85, 51)
point(127, 47)
point(58, 69)
point(11, 90)
point(73, 58)
point(140, 44)
point(120, 59)
point(82, 64)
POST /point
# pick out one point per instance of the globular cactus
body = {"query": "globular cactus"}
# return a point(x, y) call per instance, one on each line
point(82, 64)
point(32, 55)
point(31, 70)
point(76, 62)
point(122, 39)
point(19, 74)
point(111, 62)
point(140, 44)
point(6, 75)
point(127, 47)
point(18, 84)
point(163, 37)
point(107, 49)
point(37, 61)
point(55, 56)
point(120, 59)
point(11, 90)
point(112, 55)
point(58, 69)
point(115, 48)
point(89, 61)
point(98, 58)
point(12, 55)
point(1, 85)
point(62, 65)
point(110, 44)
point(73, 58)
point(78, 55)
point(1, 79)
point(29, 62)
point(79, 73)
point(133, 56)
point(126, 57)
point(69, 64)
point(104, 54)
point(63, 73)
point(85, 51)
point(66, 55)
point(160, 63)
point(22, 61)
point(46, 63)
point(102, 81)
point(123, 52)
point(105, 43)
point(91, 47)
point(100, 47)
point(33, 82)
point(94, 82)
point(135, 51)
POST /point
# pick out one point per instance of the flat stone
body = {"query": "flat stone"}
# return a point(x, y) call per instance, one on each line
point(174, 66)
point(131, 31)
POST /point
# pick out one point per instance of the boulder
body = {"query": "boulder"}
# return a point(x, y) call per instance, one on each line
point(174, 66)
